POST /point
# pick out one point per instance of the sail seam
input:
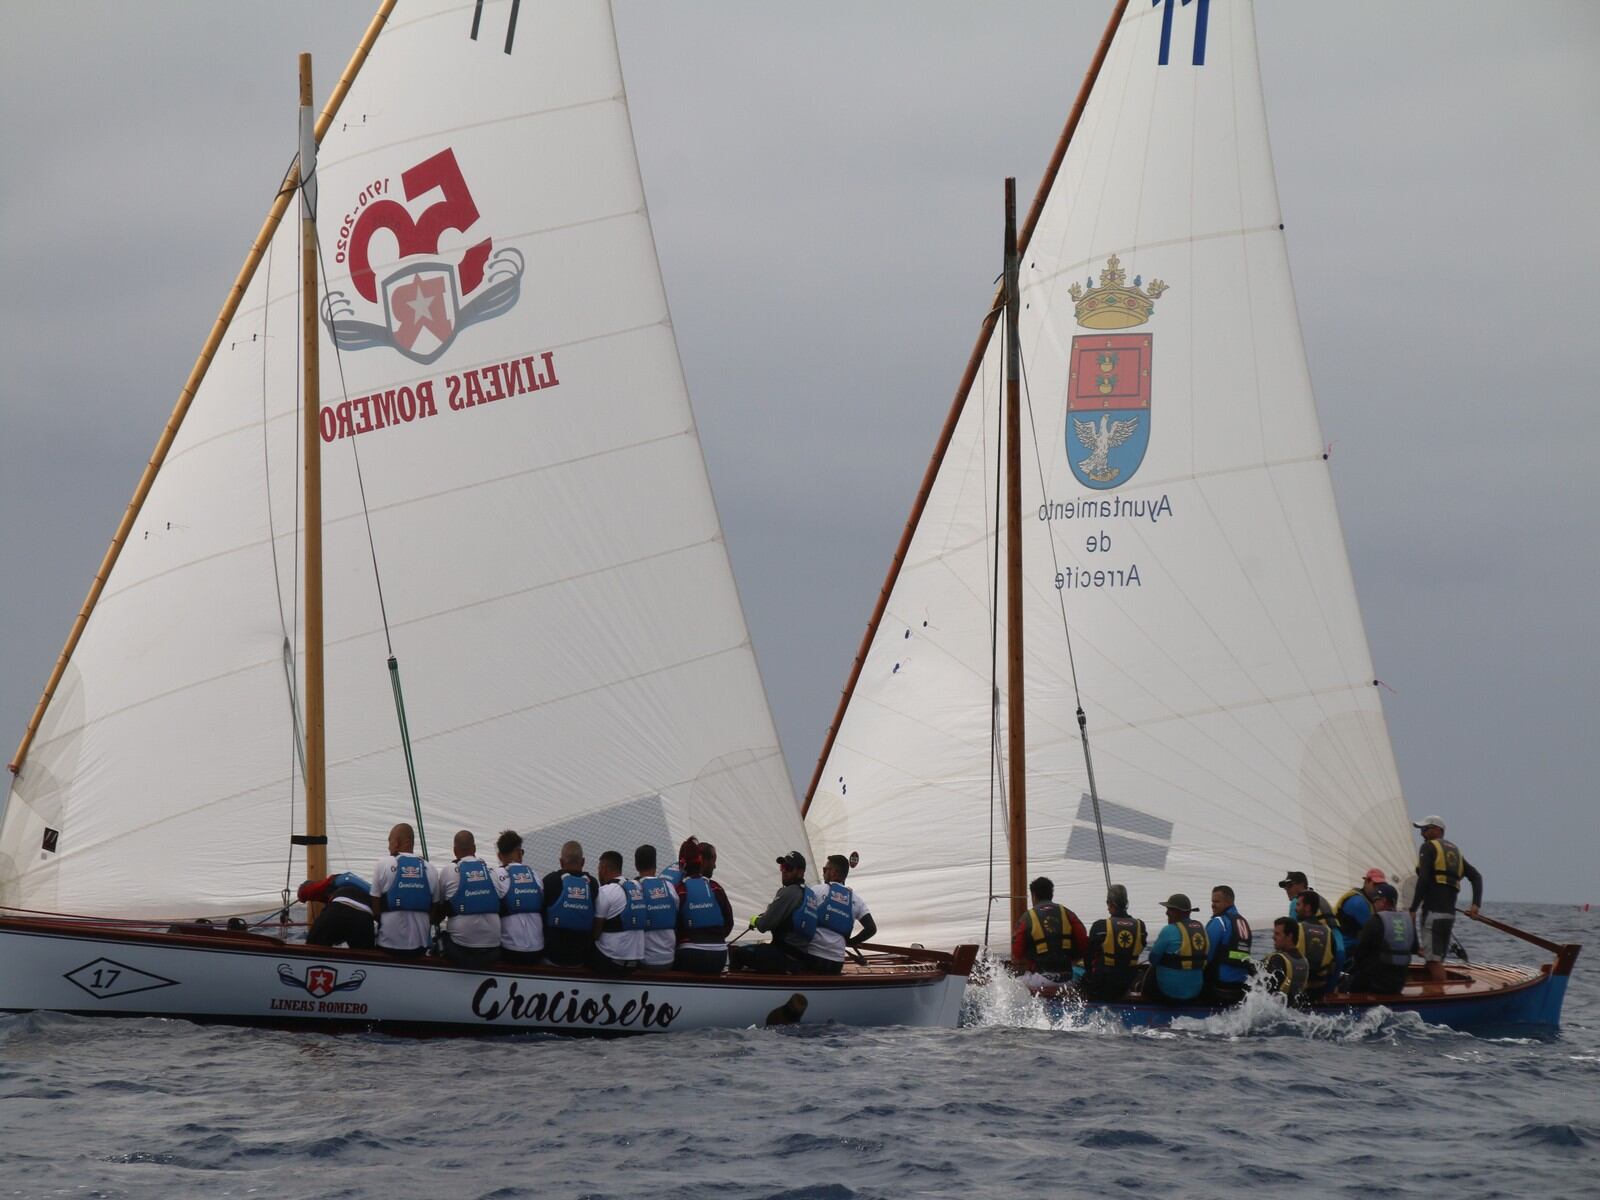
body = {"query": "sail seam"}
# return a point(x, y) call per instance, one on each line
point(1133, 248)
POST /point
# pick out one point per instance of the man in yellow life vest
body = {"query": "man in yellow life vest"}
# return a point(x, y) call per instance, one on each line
point(1440, 869)
point(1116, 941)
point(1285, 969)
point(1049, 938)
point(1178, 955)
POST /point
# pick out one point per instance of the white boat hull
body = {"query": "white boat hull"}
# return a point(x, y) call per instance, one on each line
point(251, 980)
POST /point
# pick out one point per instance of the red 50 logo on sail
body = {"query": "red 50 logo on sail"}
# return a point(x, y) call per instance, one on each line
point(392, 250)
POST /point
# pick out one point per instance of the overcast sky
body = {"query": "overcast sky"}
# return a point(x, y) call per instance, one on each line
point(825, 185)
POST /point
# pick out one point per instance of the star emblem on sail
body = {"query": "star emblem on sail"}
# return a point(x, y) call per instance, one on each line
point(1109, 377)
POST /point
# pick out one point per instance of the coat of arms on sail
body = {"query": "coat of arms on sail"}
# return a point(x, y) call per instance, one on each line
point(426, 299)
point(1108, 378)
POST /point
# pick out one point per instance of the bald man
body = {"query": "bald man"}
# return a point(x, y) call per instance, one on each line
point(405, 887)
point(469, 900)
point(569, 899)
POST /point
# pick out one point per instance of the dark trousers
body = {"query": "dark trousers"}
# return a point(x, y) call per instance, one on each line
point(339, 924)
point(773, 958)
point(612, 967)
point(569, 947)
point(408, 952)
point(1381, 980)
point(810, 964)
point(467, 956)
point(1218, 992)
point(701, 962)
point(522, 958)
point(1107, 984)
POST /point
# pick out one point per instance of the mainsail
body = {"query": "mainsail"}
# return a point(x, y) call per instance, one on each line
point(553, 570)
point(1178, 518)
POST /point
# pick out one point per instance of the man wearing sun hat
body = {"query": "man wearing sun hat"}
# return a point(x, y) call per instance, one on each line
point(1178, 955)
point(1440, 869)
point(1354, 908)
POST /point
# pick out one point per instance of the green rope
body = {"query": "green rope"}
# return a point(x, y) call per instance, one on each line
point(405, 744)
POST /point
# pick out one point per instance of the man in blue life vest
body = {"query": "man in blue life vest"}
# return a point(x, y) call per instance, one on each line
point(705, 918)
point(1116, 941)
point(1048, 939)
point(1354, 909)
point(405, 888)
point(830, 911)
point(1285, 970)
point(660, 899)
point(1228, 965)
point(569, 894)
point(1382, 953)
point(618, 919)
point(346, 918)
point(1320, 942)
point(1440, 868)
point(1294, 885)
point(1178, 955)
point(521, 905)
point(469, 903)
point(787, 949)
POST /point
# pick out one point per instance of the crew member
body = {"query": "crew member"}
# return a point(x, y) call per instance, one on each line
point(786, 949)
point(1294, 884)
point(346, 918)
point(1178, 955)
point(1110, 964)
point(469, 895)
point(1354, 909)
point(1285, 969)
point(660, 911)
point(404, 890)
point(569, 910)
point(1049, 938)
point(829, 913)
point(1440, 867)
point(1320, 943)
point(1228, 964)
point(522, 903)
point(705, 918)
point(618, 919)
point(708, 859)
point(1382, 953)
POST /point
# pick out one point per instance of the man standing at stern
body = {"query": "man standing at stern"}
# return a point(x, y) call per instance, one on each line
point(1440, 869)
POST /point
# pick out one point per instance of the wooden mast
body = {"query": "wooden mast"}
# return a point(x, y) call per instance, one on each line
point(191, 386)
point(316, 759)
point(1016, 740)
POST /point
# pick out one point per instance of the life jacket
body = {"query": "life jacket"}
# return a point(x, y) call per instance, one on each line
point(349, 880)
point(1123, 943)
point(833, 910)
point(1316, 945)
point(1233, 952)
point(409, 891)
point(1445, 870)
point(1399, 936)
point(349, 886)
point(1192, 947)
point(632, 915)
point(525, 895)
point(475, 892)
point(1360, 911)
point(658, 902)
point(1051, 932)
point(673, 874)
point(574, 905)
point(700, 907)
point(1293, 972)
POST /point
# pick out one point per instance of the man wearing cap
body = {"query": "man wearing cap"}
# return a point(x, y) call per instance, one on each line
point(1354, 909)
point(1383, 951)
point(1049, 938)
point(1115, 943)
point(1440, 868)
point(786, 951)
point(1178, 955)
point(1293, 884)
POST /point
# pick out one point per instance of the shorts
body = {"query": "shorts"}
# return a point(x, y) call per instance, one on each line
point(1433, 932)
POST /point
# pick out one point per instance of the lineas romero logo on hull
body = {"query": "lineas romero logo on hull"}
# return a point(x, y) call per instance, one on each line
point(424, 297)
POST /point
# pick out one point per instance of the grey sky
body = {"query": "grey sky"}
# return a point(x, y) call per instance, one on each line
point(825, 186)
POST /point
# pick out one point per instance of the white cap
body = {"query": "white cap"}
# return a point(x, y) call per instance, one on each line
point(1426, 821)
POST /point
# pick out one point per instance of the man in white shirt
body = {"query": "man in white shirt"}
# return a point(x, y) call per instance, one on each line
point(405, 888)
point(660, 898)
point(618, 917)
point(834, 910)
point(470, 895)
point(522, 911)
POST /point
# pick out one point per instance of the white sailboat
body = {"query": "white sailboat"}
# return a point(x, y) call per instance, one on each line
point(1190, 700)
point(515, 517)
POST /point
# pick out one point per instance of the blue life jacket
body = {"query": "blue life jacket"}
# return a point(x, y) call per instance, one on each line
point(1399, 938)
point(349, 879)
point(574, 907)
point(475, 891)
point(409, 892)
point(525, 895)
point(673, 874)
point(832, 909)
point(658, 900)
point(1230, 938)
point(632, 915)
point(700, 907)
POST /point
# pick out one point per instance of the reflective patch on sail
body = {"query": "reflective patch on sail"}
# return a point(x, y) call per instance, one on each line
point(621, 827)
point(1133, 838)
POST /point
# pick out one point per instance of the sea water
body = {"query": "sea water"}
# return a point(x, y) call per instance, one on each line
point(1023, 1101)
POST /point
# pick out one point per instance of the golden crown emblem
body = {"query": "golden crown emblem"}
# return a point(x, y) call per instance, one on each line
point(1115, 305)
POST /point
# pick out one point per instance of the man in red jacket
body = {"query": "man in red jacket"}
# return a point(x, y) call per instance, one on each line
point(1049, 938)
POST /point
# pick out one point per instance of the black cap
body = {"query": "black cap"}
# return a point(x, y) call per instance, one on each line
point(1294, 877)
point(1389, 892)
point(793, 860)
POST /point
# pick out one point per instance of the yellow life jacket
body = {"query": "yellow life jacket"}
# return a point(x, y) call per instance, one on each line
point(1123, 943)
point(1292, 972)
point(1316, 947)
point(1193, 945)
point(1051, 931)
point(1446, 866)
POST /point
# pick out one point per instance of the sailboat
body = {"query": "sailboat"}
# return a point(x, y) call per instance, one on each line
point(1119, 637)
point(428, 536)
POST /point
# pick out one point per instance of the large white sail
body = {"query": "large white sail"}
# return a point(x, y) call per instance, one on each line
point(573, 650)
point(1177, 508)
